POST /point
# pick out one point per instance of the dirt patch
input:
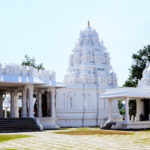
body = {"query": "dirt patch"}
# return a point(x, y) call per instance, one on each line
point(98, 132)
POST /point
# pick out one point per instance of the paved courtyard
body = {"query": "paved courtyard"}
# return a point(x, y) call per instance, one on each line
point(49, 140)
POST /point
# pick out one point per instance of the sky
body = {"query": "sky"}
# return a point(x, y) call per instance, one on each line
point(48, 30)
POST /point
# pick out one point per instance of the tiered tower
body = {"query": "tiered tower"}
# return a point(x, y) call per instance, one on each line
point(90, 63)
point(145, 80)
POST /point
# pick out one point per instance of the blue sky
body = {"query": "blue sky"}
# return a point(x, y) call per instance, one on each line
point(49, 29)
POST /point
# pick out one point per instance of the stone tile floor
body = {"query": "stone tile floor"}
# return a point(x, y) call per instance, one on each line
point(49, 140)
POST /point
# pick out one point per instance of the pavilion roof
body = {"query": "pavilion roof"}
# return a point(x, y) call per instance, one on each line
point(120, 93)
point(16, 74)
point(19, 79)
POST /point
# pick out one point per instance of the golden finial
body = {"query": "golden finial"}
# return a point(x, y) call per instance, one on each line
point(88, 23)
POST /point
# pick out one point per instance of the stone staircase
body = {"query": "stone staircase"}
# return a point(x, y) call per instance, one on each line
point(19, 124)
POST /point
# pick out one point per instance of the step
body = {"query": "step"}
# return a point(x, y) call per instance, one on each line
point(18, 124)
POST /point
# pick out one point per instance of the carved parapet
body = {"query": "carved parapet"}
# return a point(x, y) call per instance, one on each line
point(13, 73)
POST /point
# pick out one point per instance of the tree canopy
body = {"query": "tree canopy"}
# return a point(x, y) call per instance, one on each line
point(140, 59)
point(31, 61)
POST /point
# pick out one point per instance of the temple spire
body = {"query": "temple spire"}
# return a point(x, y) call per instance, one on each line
point(88, 23)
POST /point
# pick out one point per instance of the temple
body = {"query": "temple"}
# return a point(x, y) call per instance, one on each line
point(89, 74)
point(28, 93)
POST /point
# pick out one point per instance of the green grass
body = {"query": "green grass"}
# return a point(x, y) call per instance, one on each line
point(10, 149)
point(145, 141)
point(12, 137)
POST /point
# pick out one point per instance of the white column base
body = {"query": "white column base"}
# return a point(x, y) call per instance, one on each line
point(48, 123)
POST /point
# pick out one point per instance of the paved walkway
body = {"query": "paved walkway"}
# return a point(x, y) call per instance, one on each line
point(48, 140)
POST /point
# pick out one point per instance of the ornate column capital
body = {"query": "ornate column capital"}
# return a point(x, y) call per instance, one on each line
point(42, 91)
point(24, 88)
point(53, 91)
point(30, 86)
point(48, 90)
point(14, 91)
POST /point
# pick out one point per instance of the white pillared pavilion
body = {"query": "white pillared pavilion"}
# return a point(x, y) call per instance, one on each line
point(141, 94)
point(31, 90)
point(77, 102)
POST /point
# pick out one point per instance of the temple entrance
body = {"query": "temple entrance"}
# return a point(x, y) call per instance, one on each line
point(42, 106)
point(46, 104)
point(146, 109)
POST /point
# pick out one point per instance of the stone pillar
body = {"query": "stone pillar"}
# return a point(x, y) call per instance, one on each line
point(24, 103)
point(48, 103)
point(39, 104)
point(5, 112)
point(14, 105)
point(110, 110)
point(138, 106)
point(127, 110)
point(138, 109)
point(142, 107)
point(53, 104)
point(1, 105)
point(31, 105)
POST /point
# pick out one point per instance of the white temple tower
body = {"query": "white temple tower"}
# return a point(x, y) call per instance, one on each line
point(89, 74)
point(90, 63)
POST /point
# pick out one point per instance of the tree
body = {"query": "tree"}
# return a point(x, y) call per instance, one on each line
point(32, 62)
point(140, 59)
point(121, 107)
point(139, 63)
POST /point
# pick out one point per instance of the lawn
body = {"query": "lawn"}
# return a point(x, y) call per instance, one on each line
point(12, 137)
